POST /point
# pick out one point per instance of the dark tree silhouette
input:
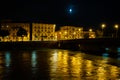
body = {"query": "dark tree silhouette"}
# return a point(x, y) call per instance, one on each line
point(21, 32)
point(4, 33)
point(86, 35)
point(99, 34)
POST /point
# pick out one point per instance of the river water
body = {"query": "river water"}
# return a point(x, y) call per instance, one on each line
point(57, 64)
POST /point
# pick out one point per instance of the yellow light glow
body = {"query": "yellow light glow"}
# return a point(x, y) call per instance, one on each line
point(54, 25)
point(59, 32)
point(74, 33)
point(103, 26)
point(65, 32)
point(79, 29)
point(90, 30)
point(92, 36)
point(89, 67)
point(114, 71)
point(116, 26)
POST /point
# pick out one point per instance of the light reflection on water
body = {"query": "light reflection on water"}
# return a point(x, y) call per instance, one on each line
point(34, 62)
point(7, 59)
point(55, 64)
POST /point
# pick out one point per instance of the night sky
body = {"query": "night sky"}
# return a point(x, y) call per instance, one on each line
point(83, 12)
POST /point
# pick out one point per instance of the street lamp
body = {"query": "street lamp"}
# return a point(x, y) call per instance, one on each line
point(116, 27)
point(90, 33)
point(103, 26)
point(90, 30)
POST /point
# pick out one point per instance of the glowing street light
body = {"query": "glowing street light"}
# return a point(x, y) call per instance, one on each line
point(116, 27)
point(103, 26)
point(90, 30)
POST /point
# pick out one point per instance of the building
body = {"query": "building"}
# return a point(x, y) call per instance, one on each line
point(17, 31)
point(43, 32)
point(89, 34)
point(70, 32)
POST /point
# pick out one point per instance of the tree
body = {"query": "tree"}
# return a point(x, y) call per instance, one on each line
point(4, 33)
point(21, 32)
point(99, 34)
point(86, 35)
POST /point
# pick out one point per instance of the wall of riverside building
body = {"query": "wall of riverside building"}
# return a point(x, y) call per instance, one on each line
point(43, 32)
point(13, 28)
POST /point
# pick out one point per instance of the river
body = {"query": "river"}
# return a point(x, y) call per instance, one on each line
point(57, 64)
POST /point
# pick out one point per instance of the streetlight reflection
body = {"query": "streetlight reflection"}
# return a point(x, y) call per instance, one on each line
point(7, 59)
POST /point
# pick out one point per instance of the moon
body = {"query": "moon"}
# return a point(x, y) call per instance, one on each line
point(70, 10)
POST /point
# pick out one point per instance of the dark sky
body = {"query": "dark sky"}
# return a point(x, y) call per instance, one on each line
point(85, 12)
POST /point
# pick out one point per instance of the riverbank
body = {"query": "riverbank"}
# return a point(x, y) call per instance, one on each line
point(77, 44)
point(27, 45)
point(98, 45)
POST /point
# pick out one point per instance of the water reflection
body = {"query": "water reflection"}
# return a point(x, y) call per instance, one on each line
point(101, 71)
point(89, 69)
point(34, 59)
point(118, 49)
point(55, 64)
point(7, 59)
point(105, 55)
point(1, 66)
point(34, 62)
point(114, 71)
point(64, 66)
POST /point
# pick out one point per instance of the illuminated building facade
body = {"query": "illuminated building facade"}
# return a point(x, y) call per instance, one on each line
point(70, 32)
point(89, 34)
point(92, 34)
point(43, 32)
point(23, 29)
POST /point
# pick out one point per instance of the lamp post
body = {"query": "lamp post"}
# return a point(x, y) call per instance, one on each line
point(90, 30)
point(103, 26)
point(116, 27)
